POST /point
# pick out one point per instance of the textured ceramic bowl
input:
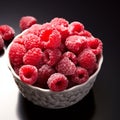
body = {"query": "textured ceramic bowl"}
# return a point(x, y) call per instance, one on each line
point(55, 100)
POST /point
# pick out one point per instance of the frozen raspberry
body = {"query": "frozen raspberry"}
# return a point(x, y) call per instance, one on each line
point(50, 39)
point(34, 29)
point(71, 56)
point(1, 43)
point(96, 45)
point(28, 74)
point(33, 56)
point(52, 56)
point(62, 47)
point(76, 43)
point(57, 82)
point(87, 60)
point(81, 75)
point(85, 33)
point(16, 53)
point(66, 66)
point(43, 74)
point(19, 40)
point(26, 22)
point(7, 32)
point(61, 25)
point(75, 28)
point(31, 41)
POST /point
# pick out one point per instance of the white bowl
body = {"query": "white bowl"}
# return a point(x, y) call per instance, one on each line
point(55, 100)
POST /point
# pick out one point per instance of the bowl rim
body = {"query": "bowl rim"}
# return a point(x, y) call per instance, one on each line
point(100, 61)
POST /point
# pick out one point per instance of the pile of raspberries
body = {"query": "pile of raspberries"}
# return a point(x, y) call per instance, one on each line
point(55, 55)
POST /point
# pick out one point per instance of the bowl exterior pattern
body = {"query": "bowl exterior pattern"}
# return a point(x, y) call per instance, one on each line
point(55, 100)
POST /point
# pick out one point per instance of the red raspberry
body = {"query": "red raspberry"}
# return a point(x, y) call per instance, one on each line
point(66, 66)
point(28, 74)
point(52, 56)
point(16, 53)
point(85, 33)
point(81, 75)
point(76, 43)
point(50, 38)
point(1, 43)
point(26, 22)
point(43, 74)
point(19, 40)
point(31, 41)
point(87, 60)
point(34, 29)
point(33, 56)
point(71, 56)
point(96, 45)
point(75, 28)
point(7, 32)
point(61, 25)
point(57, 82)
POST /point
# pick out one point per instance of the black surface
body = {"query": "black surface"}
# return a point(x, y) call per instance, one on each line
point(100, 18)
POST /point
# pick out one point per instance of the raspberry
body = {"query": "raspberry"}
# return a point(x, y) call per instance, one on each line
point(71, 56)
point(52, 56)
point(26, 22)
point(7, 32)
point(57, 82)
point(81, 75)
point(87, 60)
point(43, 74)
point(28, 74)
point(16, 53)
point(96, 45)
point(31, 41)
point(1, 43)
point(33, 56)
point(75, 28)
point(66, 66)
point(34, 29)
point(50, 38)
point(61, 25)
point(19, 40)
point(85, 33)
point(76, 43)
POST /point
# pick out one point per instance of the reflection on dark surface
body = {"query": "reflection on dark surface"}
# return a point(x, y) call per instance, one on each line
point(83, 110)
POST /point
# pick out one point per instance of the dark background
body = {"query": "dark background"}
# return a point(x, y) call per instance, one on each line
point(102, 20)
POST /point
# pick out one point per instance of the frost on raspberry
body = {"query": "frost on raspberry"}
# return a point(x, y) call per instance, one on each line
point(16, 53)
point(57, 82)
point(33, 56)
point(66, 66)
point(34, 29)
point(81, 75)
point(31, 41)
point(76, 43)
point(19, 40)
point(7, 32)
point(87, 59)
point(61, 25)
point(52, 56)
point(44, 73)
point(28, 74)
point(96, 45)
point(50, 38)
point(26, 22)
point(75, 28)
point(71, 56)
